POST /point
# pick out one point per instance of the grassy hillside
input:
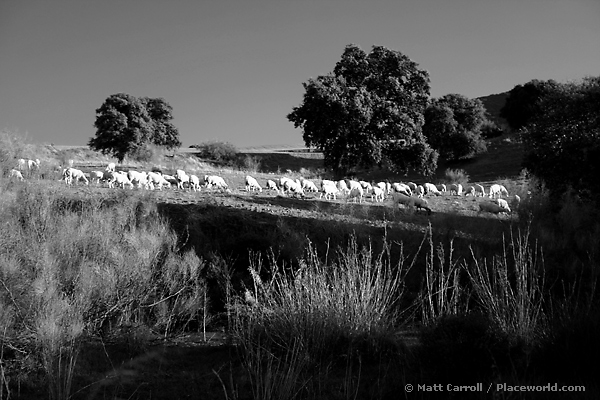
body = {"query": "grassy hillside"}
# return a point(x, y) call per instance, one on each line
point(493, 104)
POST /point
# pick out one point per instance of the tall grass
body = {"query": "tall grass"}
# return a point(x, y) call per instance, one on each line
point(78, 265)
point(456, 176)
point(324, 310)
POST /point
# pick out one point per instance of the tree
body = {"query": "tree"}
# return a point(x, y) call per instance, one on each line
point(367, 112)
point(453, 126)
point(562, 141)
point(125, 123)
point(523, 102)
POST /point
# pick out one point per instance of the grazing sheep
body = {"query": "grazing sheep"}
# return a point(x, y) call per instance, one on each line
point(140, 178)
point(195, 183)
point(488, 206)
point(441, 187)
point(33, 164)
point(111, 167)
point(157, 180)
point(497, 189)
point(365, 185)
point(96, 176)
point(329, 189)
point(377, 194)
point(309, 186)
point(420, 191)
point(382, 186)
point(70, 174)
point(479, 190)
point(216, 181)
point(182, 178)
point(271, 185)
point(470, 191)
point(515, 202)
point(352, 184)
point(431, 188)
point(295, 187)
point(171, 179)
point(402, 188)
point(341, 185)
point(22, 164)
point(457, 189)
point(121, 179)
point(412, 186)
point(410, 201)
point(252, 184)
point(503, 203)
point(16, 174)
point(356, 192)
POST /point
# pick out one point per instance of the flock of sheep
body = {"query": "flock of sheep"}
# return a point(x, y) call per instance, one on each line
point(408, 194)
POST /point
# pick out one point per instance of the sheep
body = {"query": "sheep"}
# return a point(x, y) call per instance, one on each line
point(309, 186)
point(70, 174)
point(216, 181)
point(96, 176)
point(121, 179)
point(171, 179)
point(441, 187)
point(352, 184)
point(412, 186)
point(515, 202)
point(329, 190)
point(366, 186)
point(488, 206)
point(382, 186)
point(182, 178)
point(497, 189)
point(457, 189)
point(410, 201)
point(33, 164)
point(377, 194)
point(479, 190)
point(252, 184)
point(356, 192)
point(328, 182)
point(16, 174)
point(420, 191)
point(158, 180)
point(503, 203)
point(195, 183)
point(22, 164)
point(341, 185)
point(431, 188)
point(294, 187)
point(470, 191)
point(141, 178)
point(271, 185)
point(111, 167)
point(402, 188)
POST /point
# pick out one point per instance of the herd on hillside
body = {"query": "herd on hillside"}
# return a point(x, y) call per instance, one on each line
point(410, 195)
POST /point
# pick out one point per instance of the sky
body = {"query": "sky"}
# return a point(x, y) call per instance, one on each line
point(233, 69)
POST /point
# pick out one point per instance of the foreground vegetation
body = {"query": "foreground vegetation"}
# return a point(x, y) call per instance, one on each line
point(335, 301)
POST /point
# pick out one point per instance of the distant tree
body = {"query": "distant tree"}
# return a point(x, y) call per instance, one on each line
point(368, 112)
point(562, 141)
point(523, 102)
point(223, 152)
point(125, 123)
point(453, 126)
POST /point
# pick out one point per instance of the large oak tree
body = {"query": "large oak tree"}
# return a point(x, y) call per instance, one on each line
point(125, 123)
point(367, 112)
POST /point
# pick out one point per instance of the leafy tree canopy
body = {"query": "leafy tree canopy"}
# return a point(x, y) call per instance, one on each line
point(523, 102)
point(368, 111)
point(562, 140)
point(453, 126)
point(125, 123)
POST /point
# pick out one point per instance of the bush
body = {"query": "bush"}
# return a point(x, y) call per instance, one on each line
point(223, 152)
point(456, 176)
point(489, 130)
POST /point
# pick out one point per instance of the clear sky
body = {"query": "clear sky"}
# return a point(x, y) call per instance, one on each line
point(233, 70)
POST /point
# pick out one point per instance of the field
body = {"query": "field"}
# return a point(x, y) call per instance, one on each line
point(207, 295)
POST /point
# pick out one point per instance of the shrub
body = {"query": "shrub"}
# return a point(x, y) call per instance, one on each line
point(223, 152)
point(456, 176)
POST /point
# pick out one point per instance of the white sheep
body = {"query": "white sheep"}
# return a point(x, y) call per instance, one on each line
point(309, 186)
point(329, 190)
point(96, 176)
point(402, 188)
point(157, 180)
point(497, 189)
point(216, 181)
point(252, 184)
point(503, 203)
point(488, 206)
point(431, 188)
point(457, 189)
point(73, 174)
point(420, 191)
point(356, 192)
point(171, 179)
point(182, 178)
point(121, 179)
point(382, 186)
point(366, 186)
point(470, 191)
point(33, 164)
point(22, 164)
point(195, 183)
point(479, 190)
point(377, 194)
point(295, 187)
point(516, 202)
point(111, 167)
point(343, 187)
point(140, 178)
point(271, 185)
point(16, 174)
point(412, 186)
point(441, 187)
